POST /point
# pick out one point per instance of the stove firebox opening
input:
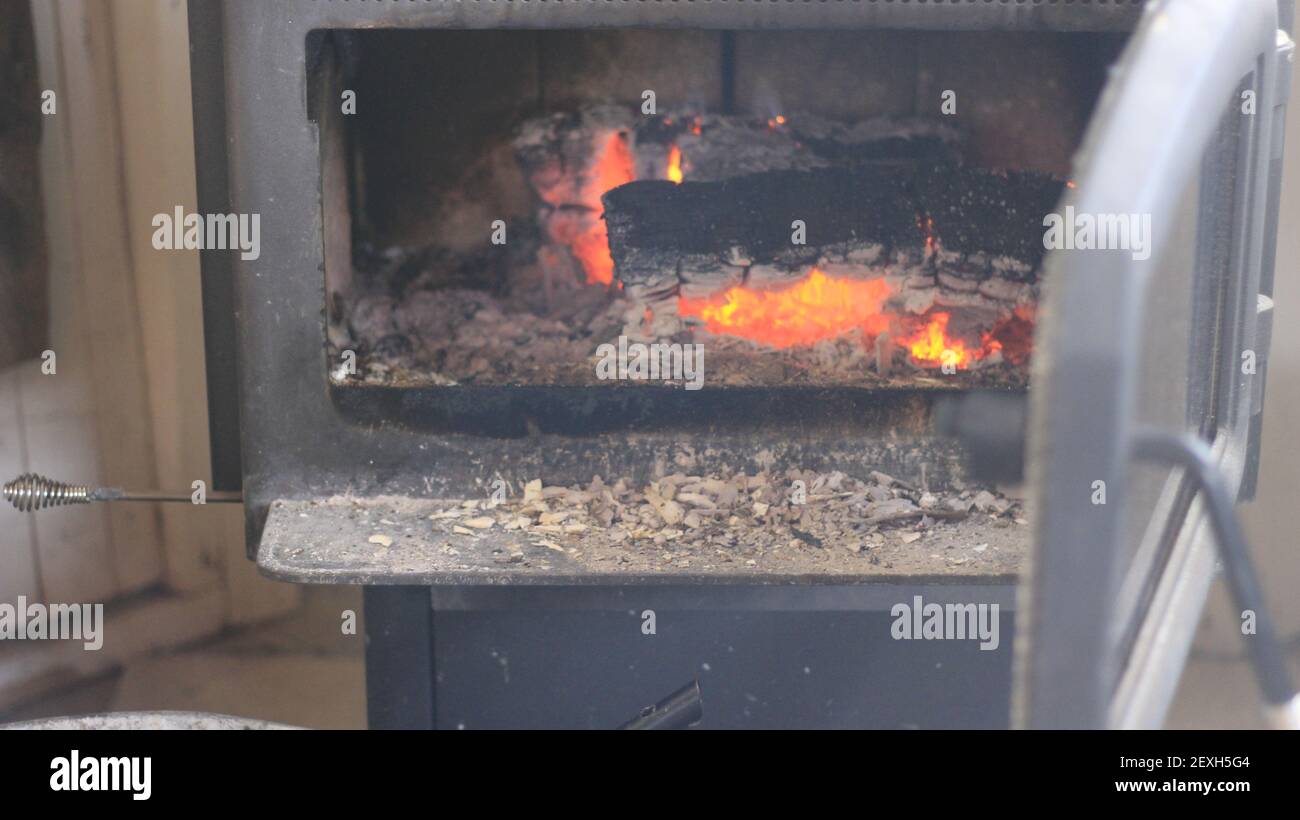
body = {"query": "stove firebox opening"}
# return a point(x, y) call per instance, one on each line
point(690, 208)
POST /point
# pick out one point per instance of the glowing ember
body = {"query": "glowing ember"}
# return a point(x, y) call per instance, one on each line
point(817, 308)
point(821, 307)
point(614, 167)
point(926, 224)
point(1013, 335)
point(675, 164)
point(592, 250)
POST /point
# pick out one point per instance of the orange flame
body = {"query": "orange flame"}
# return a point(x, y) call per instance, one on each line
point(821, 307)
point(926, 224)
point(932, 346)
point(675, 164)
point(592, 250)
point(817, 308)
point(613, 167)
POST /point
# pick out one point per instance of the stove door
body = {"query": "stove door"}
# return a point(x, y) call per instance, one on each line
point(1151, 319)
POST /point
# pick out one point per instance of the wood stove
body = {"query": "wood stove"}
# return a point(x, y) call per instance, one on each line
point(611, 337)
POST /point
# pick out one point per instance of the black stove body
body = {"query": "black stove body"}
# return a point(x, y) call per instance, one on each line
point(1092, 615)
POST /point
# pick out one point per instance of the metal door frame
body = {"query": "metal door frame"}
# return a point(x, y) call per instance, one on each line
point(1146, 140)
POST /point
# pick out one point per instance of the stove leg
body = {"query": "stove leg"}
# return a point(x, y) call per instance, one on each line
point(399, 657)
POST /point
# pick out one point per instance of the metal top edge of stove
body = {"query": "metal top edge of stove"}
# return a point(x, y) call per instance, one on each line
point(1023, 15)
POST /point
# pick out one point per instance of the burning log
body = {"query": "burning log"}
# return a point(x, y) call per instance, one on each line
point(939, 234)
point(715, 147)
point(971, 223)
point(571, 159)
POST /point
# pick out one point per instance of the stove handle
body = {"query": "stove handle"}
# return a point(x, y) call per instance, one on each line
point(1266, 653)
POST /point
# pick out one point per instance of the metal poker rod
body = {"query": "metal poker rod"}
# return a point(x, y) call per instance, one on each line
point(30, 492)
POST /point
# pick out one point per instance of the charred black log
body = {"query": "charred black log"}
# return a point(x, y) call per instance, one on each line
point(971, 223)
point(719, 146)
point(571, 159)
